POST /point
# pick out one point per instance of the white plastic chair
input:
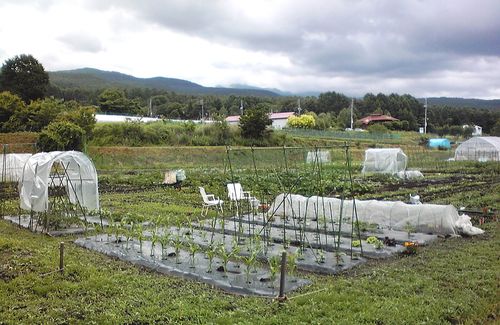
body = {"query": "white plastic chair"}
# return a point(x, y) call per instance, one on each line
point(236, 194)
point(209, 200)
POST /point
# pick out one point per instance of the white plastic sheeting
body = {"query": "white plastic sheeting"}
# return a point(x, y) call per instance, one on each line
point(410, 174)
point(11, 166)
point(479, 149)
point(396, 215)
point(322, 156)
point(386, 161)
point(79, 180)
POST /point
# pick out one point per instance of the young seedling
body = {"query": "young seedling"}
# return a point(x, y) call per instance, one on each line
point(164, 240)
point(139, 233)
point(274, 267)
point(235, 251)
point(409, 228)
point(129, 233)
point(193, 248)
point(338, 258)
point(154, 239)
point(211, 252)
point(225, 255)
point(177, 243)
point(320, 257)
point(291, 264)
point(249, 262)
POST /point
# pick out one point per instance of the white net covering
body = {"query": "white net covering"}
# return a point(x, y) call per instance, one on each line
point(425, 218)
point(479, 149)
point(79, 178)
point(322, 156)
point(387, 161)
point(11, 166)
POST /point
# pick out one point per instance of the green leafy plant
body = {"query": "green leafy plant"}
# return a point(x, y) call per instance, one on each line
point(164, 241)
point(291, 263)
point(274, 266)
point(249, 261)
point(211, 252)
point(139, 234)
point(177, 243)
point(193, 248)
point(225, 255)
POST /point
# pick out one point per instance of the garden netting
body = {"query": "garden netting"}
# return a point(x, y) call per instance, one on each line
point(395, 215)
point(386, 161)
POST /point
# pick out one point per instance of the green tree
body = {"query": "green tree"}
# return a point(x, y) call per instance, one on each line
point(37, 115)
point(344, 117)
point(24, 76)
point(253, 123)
point(9, 104)
point(61, 135)
point(83, 116)
point(495, 131)
point(114, 101)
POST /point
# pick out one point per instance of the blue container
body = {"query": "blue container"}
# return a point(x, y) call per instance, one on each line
point(439, 143)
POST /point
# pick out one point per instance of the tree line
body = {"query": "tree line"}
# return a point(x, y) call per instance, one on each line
point(26, 78)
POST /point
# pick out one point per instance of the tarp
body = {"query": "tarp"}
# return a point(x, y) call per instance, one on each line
point(439, 143)
point(395, 215)
point(11, 166)
point(387, 161)
point(479, 149)
point(79, 180)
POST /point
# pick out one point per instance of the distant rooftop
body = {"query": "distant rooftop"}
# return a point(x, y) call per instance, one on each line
point(376, 118)
point(272, 116)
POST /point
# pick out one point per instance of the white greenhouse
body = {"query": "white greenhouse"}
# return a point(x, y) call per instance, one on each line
point(72, 170)
point(386, 161)
point(479, 149)
point(11, 166)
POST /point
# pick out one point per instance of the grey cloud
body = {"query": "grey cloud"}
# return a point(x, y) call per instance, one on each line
point(82, 42)
point(374, 37)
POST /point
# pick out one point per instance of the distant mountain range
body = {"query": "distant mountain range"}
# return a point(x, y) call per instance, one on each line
point(91, 79)
point(462, 102)
point(94, 79)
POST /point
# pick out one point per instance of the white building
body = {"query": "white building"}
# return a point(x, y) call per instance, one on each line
point(279, 120)
point(476, 129)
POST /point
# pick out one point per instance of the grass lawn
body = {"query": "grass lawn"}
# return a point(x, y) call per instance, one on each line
point(451, 281)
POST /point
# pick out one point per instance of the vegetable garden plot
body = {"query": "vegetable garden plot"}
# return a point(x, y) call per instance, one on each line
point(248, 279)
point(308, 259)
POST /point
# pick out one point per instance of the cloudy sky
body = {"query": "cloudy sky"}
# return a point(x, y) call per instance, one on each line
point(425, 48)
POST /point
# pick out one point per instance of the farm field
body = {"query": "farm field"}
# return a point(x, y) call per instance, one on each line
point(453, 280)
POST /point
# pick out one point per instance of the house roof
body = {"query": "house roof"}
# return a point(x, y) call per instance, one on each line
point(281, 115)
point(272, 116)
point(233, 118)
point(376, 118)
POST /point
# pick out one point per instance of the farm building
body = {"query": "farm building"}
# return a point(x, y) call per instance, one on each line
point(279, 120)
point(439, 143)
point(385, 161)
point(479, 149)
point(376, 118)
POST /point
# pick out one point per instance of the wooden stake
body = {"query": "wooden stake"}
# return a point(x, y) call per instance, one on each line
point(282, 296)
point(61, 257)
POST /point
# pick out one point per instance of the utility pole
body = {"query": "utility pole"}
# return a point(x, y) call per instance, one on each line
point(150, 107)
point(299, 108)
point(425, 117)
point(241, 107)
point(202, 112)
point(352, 118)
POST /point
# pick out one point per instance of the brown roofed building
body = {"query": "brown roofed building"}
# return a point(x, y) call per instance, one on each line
point(376, 118)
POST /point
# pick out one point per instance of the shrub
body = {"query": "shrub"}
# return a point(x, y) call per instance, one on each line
point(304, 121)
point(377, 128)
point(61, 136)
